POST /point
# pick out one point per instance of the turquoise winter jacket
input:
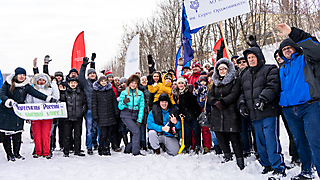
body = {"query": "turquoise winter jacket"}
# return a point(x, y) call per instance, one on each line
point(137, 100)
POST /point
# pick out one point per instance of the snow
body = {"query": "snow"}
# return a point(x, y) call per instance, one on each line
point(126, 166)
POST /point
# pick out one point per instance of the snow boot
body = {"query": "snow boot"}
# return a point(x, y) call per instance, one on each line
point(217, 149)
point(156, 151)
point(106, 152)
point(10, 157)
point(240, 163)
point(266, 169)
point(100, 151)
point(227, 157)
point(302, 176)
point(90, 152)
point(276, 175)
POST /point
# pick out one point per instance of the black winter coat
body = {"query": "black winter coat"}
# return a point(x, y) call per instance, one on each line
point(262, 83)
point(104, 105)
point(226, 90)
point(9, 121)
point(187, 103)
point(76, 103)
point(86, 84)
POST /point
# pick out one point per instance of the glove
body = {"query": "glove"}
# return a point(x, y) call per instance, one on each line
point(150, 60)
point(9, 103)
point(244, 111)
point(53, 100)
point(196, 85)
point(85, 61)
point(126, 100)
point(258, 104)
point(252, 41)
point(138, 124)
point(219, 105)
point(149, 78)
point(93, 56)
point(46, 59)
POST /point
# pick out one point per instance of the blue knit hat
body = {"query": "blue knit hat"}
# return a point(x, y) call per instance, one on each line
point(19, 70)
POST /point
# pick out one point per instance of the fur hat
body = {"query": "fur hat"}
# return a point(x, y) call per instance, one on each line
point(134, 78)
point(91, 70)
point(20, 70)
point(108, 73)
point(122, 80)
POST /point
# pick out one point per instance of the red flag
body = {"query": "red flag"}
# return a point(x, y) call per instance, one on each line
point(217, 47)
point(78, 51)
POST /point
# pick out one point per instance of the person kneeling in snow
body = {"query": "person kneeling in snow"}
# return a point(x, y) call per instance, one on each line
point(163, 122)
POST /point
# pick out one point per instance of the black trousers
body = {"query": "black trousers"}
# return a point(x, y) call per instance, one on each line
point(16, 142)
point(235, 138)
point(68, 128)
point(105, 136)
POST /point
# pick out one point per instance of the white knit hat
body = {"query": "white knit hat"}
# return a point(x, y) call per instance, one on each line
point(181, 79)
point(223, 65)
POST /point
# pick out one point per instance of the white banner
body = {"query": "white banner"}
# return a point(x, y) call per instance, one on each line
point(132, 57)
point(204, 12)
point(38, 111)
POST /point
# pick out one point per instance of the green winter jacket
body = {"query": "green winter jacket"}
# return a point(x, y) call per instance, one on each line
point(136, 102)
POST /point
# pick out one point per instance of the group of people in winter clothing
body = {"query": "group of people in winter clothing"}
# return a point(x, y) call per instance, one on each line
point(238, 101)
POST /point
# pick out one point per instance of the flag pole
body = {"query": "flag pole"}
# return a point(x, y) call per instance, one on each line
point(224, 40)
point(181, 27)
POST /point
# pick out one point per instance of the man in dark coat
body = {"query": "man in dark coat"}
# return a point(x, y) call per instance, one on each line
point(87, 86)
point(259, 99)
point(300, 85)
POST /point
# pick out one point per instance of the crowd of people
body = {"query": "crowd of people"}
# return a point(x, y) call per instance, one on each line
point(238, 101)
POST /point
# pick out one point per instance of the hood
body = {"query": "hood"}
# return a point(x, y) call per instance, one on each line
point(25, 82)
point(258, 53)
point(37, 77)
point(231, 73)
point(288, 42)
point(164, 81)
point(98, 87)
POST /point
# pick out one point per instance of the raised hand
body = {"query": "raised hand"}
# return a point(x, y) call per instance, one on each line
point(284, 29)
point(35, 62)
point(173, 119)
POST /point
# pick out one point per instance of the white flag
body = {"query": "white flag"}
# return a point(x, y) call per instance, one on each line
point(132, 57)
point(204, 12)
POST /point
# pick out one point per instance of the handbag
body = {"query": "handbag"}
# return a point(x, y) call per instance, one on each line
point(204, 117)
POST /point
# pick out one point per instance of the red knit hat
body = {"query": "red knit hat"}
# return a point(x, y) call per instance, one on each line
point(108, 73)
point(196, 64)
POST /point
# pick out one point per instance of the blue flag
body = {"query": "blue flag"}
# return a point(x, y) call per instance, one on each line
point(177, 58)
point(186, 40)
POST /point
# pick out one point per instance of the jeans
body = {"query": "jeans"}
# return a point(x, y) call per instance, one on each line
point(303, 121)
point(246, 134)
point(214, 138)
point(189, 127)
point(91, 130)
point(143, 142)
point(268, 143)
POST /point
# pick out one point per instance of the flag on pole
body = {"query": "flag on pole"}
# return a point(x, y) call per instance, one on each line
point(132, 62)
point(176, 64)
point(186, 39)
point(217, 47)
point(78, 51)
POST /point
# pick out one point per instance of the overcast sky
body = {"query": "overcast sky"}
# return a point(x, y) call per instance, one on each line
point(35, 28)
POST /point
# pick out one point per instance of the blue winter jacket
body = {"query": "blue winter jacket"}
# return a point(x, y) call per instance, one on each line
point(136, 102)
point(153, 126)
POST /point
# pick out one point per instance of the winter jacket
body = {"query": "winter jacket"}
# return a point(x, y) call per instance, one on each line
point(146, 95)
point(76, 103)
point(49, 89)
point(160, 88)
point(300, 75)
point(260, 83)
point(187, 103)
point(136, 102)
point(156, 120)
point(9, 122)
point(104, 105)
point(227, 91)
point(86, 84)
point(193, 78)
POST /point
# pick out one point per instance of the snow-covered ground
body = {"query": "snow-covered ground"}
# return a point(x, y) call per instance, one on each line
point(124, 166)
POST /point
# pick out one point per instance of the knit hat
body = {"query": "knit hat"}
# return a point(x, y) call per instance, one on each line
point(203, 73)
point(122, 80)
point(164, 97)
point(181, 79)
point(91, 70)
point(203, 78)
point(137, 71)
point(19, 70)
point(102, 78)
point(108, 73)
point(143, 77)
point(73, 70)
point(72, 79)
point(223, 65)
point(134, 78)
point(196, 64)
point(235, 56)
point(58, 73)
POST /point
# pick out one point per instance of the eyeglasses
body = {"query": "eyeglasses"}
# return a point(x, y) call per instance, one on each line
point(243, 62)
point(287, 48)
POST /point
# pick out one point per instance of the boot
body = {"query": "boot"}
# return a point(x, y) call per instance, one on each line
point(217, 149)
point(18, 156)
point(240, 163)
point(156, 151)
point(100, 150)
point(106, 152)
point(276, 175)
point(227, 157)
point(90, 152)
point(197, 149)
point(266, 169)
point(10, 157)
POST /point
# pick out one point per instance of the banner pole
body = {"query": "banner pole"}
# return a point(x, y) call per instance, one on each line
point(224, 40)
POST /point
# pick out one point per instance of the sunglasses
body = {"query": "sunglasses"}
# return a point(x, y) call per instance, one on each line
point(243, 62)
